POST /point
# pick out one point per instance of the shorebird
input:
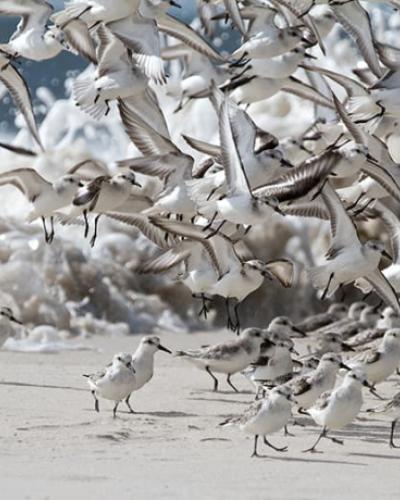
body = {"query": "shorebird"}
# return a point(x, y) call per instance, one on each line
point(348, 259)
point(328, 342)
point(334, 313)
point(6, 319)
point(101, 195)
point(333, 410)
point(379, 363)
point(46, 197)
point(115, 382)
point(227, 357)
point(143, 363)
point(391, 408)
point(265, 416)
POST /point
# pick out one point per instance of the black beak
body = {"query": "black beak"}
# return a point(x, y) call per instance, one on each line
point(81, 184)
point(293, 350)
point(286, 163)
point(162, 348)
point(15, 320)
point(175, 4)
point(135, 183)
point(266, 274)
point(372, 390)
point(387, 255)
point(130, 367)
point(343, 365)
point(310, 56)
point(370, 158)
point(346, 347)
point(297, 330)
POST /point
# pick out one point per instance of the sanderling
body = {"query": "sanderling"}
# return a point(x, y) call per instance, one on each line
point(379, 363)
point(335, 312)
point(143, 363)
point(115, 382)
point(333, 410)
point(265, 416)
point(228, 357)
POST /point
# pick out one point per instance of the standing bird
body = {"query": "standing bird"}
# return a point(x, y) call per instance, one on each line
point(143, 363)
point(265, 416)
point(333, 410)
point(6, 318)
point(227, 357)
point(391, 408)
point(115, 382)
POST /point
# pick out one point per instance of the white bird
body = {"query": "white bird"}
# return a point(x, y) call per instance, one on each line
point(6, 319)
point(143, 363)
point(333, 410)
point(348, 259)
point(46, 197)
point(335, 312)
point(265, 416)
point(227, 357)
point(115, 382)
point(380, 362)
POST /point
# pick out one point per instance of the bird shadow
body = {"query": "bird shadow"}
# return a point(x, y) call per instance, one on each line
point(311, 460)
point(220, 400)
point(43, 386)
point(162, 414)
point(374, 455)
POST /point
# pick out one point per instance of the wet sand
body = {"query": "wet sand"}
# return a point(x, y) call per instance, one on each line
point(54, 446)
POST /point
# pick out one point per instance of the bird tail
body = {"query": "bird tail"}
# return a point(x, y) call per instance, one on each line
point(229, 421)
point(319, 278)
point(199, 190)
point(86, 97)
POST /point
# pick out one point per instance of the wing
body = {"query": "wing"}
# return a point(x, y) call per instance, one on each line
point(384, 289)
point(27, 180)
point(392, 223)
point(233, 10)
point(168, 24)
point(344, 233)
point(34, 13)
point(159, 165)
point(166, 261)
point(244, 130)
point(150, 230)
point(282, 269)
point(300, 385)
point(356, 22)
point(78, 38)
point(19, 91)
point(323, 401)
point(306, 209)
point(203, 147)
point(353, 87)
point(140, 34)
point(90, 192)
point(234, 170)
point(299, 181)
point(89, 168)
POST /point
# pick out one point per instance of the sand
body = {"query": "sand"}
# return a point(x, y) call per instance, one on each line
point(54, 446)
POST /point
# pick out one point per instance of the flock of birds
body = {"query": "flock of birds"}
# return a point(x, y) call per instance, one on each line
point(199, 212)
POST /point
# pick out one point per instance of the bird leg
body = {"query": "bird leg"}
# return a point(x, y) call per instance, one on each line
point(46, 234)
point(286, 432)
point(327, 286)
point(96, 402)
point(209, 225)
point(274, 447)
point(204, 310)
point(215, 231)
point(85, 216)
point(94, 237)
point(255, 454)
point(353, 205)
point(52, 233)
point(391, 441)
point(229, 324)
point(108, 107)
point(115, 409)
point(228, 379)
point(237, 319)
point(313, 448)
point(215, 389)
point(129, 405)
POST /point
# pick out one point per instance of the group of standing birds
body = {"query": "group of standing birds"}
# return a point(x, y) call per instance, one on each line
point(199, 209)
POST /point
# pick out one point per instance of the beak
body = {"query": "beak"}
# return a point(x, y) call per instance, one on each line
point(175, 4)
point(343, 365)
point(15, 320)
point(372, 390)
point(387, 255)
point(309, 56)
point(346, 347)
point(81, 184)
point(130, 366)
point(290, 398)
point(286, 163)
point(266, 274)
point(293, 350)
point(297, 330)
point(370, 158)
point(162, 348)
point(135, 183)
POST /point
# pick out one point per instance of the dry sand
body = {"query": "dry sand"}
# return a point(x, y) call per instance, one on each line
point(54, 446)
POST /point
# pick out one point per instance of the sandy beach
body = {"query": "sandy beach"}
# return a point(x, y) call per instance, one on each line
point(54, 446)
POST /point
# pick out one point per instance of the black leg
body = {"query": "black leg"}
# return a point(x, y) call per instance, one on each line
point(115, 409)
point(327, 286)
point(128, 404)
point(274, 447)
point(96, 402)
point(353, 205)
point(204, 310)
point(216, 231)
point(51, 235)
point(214, 378)
point(85, 216)
point(46, 235)
point(313, 448)
point(391, 442)
point(237, 319)
point(209, 225)
point(229, 323)
point(94, 237)
point(228, 379)
point(286, 431)
point(255, 454)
